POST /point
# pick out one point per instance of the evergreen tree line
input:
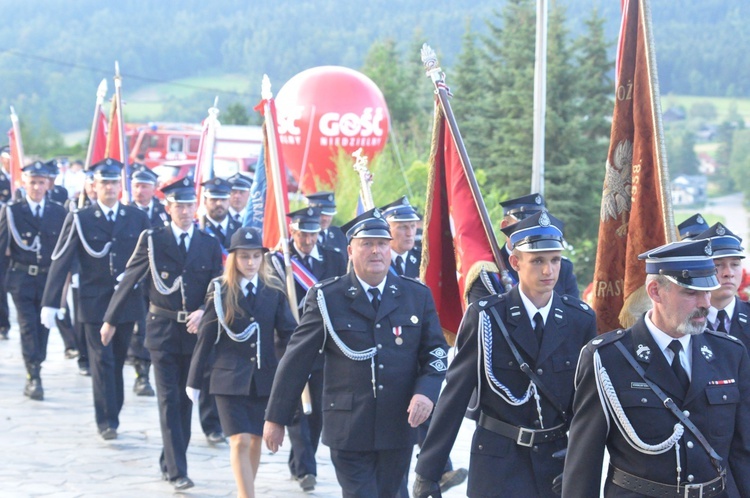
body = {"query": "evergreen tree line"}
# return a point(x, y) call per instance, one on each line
point(492, 84)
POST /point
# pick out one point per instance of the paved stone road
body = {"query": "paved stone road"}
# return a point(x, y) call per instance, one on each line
point(51, 448)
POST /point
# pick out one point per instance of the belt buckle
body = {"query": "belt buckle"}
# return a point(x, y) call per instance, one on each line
point(692, 487)
point(525, 437)
point(33, 270)
point(182, 316)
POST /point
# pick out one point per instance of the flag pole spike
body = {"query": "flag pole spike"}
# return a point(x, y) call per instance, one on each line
point(365, 178)
point(433, 71)
point(265, 88)
point(101, 91)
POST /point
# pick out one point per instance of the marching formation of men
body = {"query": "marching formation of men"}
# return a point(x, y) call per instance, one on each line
point(363, 369)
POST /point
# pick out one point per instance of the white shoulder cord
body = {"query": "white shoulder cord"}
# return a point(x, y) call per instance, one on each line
point(86, 246)
point(243, 336)
point(161, 287)
point(485, 335)
point(58, 251)
point(485, 278)
point(368, 354)
point(623, 423)
point(35, 246)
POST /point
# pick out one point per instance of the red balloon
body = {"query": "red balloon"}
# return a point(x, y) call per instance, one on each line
point(322, 110)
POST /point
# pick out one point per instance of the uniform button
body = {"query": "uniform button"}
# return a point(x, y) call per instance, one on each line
point(691, 478)
point(252, 319)
point(690, 444)
point(535, 449)
point(510, 363)
point(644, 400)
point(380, 387)
point(724, 397)
point(380, 346)
point(686, 413)
point(377, 325)
point(539, 372)
point(380, 366)
point(252, 359)
point(332, 405)
point(480, 447)
point(252, 345)
point(567, 363)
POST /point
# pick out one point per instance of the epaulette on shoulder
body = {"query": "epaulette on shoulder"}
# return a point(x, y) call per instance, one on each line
point(576, 303)
point(488, 301)
point(415, 280)
point(724, 335)
point(608, 338)
point(326, 282)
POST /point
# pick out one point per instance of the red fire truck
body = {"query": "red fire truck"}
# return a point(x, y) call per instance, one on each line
point(237, 147)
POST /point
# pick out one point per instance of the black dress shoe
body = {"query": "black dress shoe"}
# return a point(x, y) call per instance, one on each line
point(452, 478)
point(182, 483)
point(307, 482)
point(84, 370)
point(33, 389)
point(71, 353)
point(216, 438)
point(108, 434)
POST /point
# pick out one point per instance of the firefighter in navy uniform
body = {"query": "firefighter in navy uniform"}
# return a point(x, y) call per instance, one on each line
point(102, 238)
point(5, 196)
point(330, 236)
point(402, 218)
point(238, 197)
point(385, 358)
point(177, 262)
point(515, 210)
point(518, 351)
point(143, 182)
point(217, 222)
point(667, 398)
point(727, 312)
point(311, 263)
point(28, 233)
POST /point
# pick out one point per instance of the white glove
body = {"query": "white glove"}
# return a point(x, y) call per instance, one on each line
point(48, 316)
point(193, 394)
point(74, 279)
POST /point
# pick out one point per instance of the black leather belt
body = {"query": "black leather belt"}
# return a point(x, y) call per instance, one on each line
point(32, 270)
point(177, 316)
point(521, 435)
point(659, 490)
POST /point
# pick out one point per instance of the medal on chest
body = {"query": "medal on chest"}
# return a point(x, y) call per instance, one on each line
point(397, 333)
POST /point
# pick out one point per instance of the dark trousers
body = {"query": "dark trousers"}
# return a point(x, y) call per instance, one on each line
point(80, 332)
point(175, 408)
point(370, 474)
point(34, 336)
point(304, 433)
point(106, 364)
point(403, 491)
point(4, 310)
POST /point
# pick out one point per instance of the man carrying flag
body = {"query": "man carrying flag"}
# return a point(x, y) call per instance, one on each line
point(311, 263)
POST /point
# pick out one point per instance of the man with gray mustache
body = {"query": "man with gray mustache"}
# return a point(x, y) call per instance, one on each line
point(668, 398)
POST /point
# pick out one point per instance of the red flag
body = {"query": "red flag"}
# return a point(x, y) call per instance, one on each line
point(272, 225)
point(98, 152)
point(16, 160)
point(201, 162)
point(113, 135)
point(454, 245)
point(636, 207)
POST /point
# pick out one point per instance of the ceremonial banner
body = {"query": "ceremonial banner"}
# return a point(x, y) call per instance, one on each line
point(113, 135)
point(454, 244)
point(277, 198)
point(636, 208)
point(257, 202)
point(16, 160)
point(204, 165)
point(98, 151)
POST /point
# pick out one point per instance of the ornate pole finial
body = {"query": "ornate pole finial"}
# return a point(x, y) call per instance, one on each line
point(430, 61)
point(265, 88)
point(101, 91)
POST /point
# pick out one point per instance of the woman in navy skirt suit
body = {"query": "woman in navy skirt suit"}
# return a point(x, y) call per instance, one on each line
point(244, 329)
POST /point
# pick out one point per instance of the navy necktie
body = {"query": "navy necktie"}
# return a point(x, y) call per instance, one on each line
point(721, 318)
point(677, 368)
point(375, 301)
point(250, 293)
point(399, 265)
point(38, 211)
point(538, 327)
point(183, 243)
point(111, 216)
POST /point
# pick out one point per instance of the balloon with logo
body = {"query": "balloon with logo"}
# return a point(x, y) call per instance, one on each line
point(322, 110)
